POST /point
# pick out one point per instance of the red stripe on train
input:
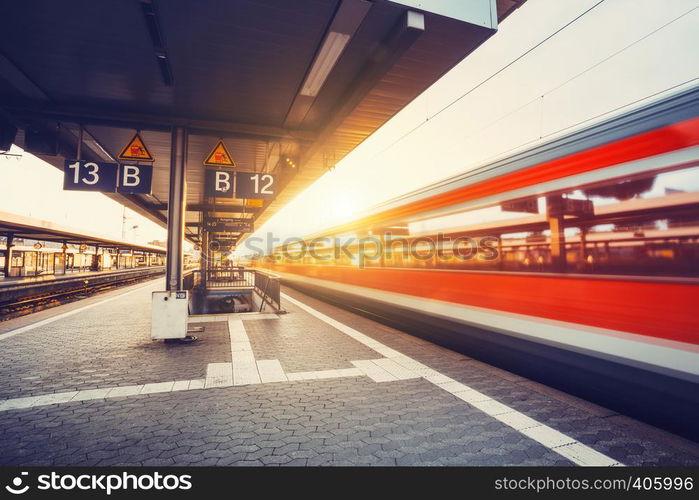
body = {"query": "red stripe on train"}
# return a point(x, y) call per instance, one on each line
point(662, 310)
point(670, 138)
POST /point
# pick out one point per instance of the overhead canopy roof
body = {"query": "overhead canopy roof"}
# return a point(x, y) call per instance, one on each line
point(36, 229)
point(291, 86)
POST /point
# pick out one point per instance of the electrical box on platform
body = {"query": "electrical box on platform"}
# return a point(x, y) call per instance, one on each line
point(169, 311)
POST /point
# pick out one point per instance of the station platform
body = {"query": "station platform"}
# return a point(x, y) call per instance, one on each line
point(83, 384)
point(42, 278)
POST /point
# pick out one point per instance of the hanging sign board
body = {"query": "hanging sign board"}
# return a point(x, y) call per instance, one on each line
point(81, 175)
point(229, 225)
point(559, 207)
point(527, 205)
point(255, 185)
point(219, 183)
point(135, 179)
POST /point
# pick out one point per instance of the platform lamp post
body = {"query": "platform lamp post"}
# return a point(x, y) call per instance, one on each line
point(96, 259)
point(37, 247)
point(64, 247)
point(8, 255)
point(83, 248)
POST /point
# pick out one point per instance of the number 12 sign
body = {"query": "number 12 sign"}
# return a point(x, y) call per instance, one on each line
point(255, 185)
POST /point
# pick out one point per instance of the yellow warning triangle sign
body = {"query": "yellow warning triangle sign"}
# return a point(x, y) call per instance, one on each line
point(136, 150)
point(219, 157)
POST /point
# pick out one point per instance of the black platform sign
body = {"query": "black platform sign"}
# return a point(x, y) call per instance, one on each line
point(559, 207)
point(255, 185)
point(228, 224)
point(219, 183)
point(79, 175)
point(135, 179)
point(528, 205)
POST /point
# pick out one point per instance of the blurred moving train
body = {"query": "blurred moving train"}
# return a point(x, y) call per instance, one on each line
point(575, 262)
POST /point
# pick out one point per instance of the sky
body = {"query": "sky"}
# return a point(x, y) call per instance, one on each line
point(617, 56)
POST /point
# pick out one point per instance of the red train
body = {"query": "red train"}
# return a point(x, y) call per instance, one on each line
point(576, 262)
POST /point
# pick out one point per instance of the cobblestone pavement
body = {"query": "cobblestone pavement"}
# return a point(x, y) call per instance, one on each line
point(349, 420)
point(303, 343)
point(104, 346)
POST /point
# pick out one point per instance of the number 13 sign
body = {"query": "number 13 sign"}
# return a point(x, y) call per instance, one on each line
point(100, 176)
point(90, 176)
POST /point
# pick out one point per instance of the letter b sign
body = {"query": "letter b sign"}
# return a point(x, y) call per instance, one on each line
point(135, 179)
point(219, 183)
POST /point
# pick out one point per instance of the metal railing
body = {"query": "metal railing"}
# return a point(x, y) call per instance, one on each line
point(267, 286)
point(230, 278)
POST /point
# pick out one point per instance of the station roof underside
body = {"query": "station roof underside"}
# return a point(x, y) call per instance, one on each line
point(36, 229)
point(250, 72)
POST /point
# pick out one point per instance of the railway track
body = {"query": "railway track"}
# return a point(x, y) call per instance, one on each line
point(24, 300)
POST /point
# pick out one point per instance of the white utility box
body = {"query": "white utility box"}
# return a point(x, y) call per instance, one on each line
point(169, 313)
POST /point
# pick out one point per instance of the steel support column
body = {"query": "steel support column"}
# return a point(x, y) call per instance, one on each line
point(8, 255)
point(96, 259)
point(176, 209)
point(64, 249)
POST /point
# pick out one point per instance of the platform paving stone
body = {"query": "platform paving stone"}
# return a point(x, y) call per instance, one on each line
point(348, 421)
point(303, 343)
point(106, 346)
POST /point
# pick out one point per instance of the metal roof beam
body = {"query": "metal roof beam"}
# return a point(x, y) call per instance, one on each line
point(16, 77)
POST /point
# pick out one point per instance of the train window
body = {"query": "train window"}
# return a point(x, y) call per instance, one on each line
point(646, 224)
point(643, 225)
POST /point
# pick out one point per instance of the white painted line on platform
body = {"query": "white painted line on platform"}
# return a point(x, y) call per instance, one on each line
point(241, 347)
point(157, 387)
point(18, 403)
point(243, 362)
point(374, 371)
point(516, 420)
point(398, 371)
point(271, 371)
point(56, 398)
point(584, 455)
point(547, 436)
point(236, 330)
point(302, 376)
point(325, 374)
point(91, 394)
point(218, 375)
point(180, 385)
point(197, 384)
point(127, 390)
point(46, 321)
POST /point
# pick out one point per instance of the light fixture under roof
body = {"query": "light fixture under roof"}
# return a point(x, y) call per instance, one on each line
point(325, 61)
